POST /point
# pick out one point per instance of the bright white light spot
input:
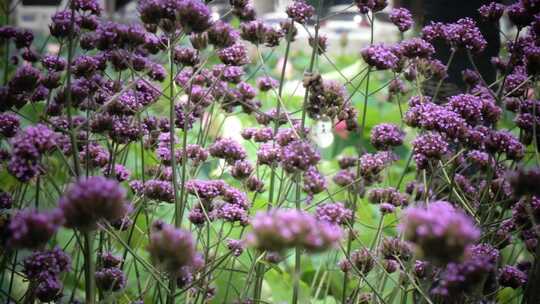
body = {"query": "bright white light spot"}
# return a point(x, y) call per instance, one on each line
point(322, 133)
point(357, 19)
point(232, 127)
point(215, 16)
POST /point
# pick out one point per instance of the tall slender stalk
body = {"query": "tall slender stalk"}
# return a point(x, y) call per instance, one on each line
point(89, 267)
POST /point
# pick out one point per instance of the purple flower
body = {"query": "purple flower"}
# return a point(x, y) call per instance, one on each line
point(300, 11)
point(511, 276)
point(110, 279)
point(233, 213)
point(172, 248)
point(64, 24)
point(360, 259)
point(439, 231)
point(91, 6)
point(468, 106)
point(49, 288)
point(186, 56)
point(491, 12)
point(380, 57)
point(504, 142)
point(6, 201)
point(205, 190)
point(222, 35)
point(267, 83)
point(25, 79)
point(314, 182)
point(54, 63)
point(235, 54)
point(402, 18)
point(159, 190)
point(9, 124)
point(227, 149)
point(385, 136)
point(241, 169)
point(395, 249)
point(253, 31)
point(53, 261)
point(387, 195)
point(32, 230)
point(335, 213)
point(430, 146)
point(281, 229)
point(299, 155)
point(194, 16)
point(416, 48)
point(235, 246)
point(91, 200)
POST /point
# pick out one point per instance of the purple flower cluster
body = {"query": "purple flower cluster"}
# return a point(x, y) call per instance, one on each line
point(32, 230)
point(227, 149)
point(43, 268)
point(402, 18)
point(300, 11)
point(89, 201)
point(440, 231)
point(173, 249)
point(380, 57)
point(110, 278)
point(386, 136)
point(335, 213)
point(463, 34)
point(282, 229)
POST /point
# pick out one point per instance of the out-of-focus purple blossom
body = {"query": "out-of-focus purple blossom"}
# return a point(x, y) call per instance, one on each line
point(235, 246)
point(222, 35)
point(241, 169)
point(314, 181)
point(282, 229)
point(64, 24)
point(439, 231)
point(387, 195)
point(267, 83)
point(360, 259)
point(25, 79)
point(91, 200)
point(159, 191)
point(9, 124)
point(525, 181)
point(6, 200)
point(31, 229)
point(110, 279)
point(172, 249)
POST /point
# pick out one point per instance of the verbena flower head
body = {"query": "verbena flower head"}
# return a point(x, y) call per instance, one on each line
point(299, 155)
point(281, 229)
point(386, 136)
point(402, 18)
point(32, 230)
point(379, 57)
point(491, 12)
point(335, 213)
point(300, 11)
point(511, 276)
point(427, 147)
point(53, 261)
point(227, 149)
point(172, 248)
point(110, 279)
point(440, 231)
point(89, 201)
